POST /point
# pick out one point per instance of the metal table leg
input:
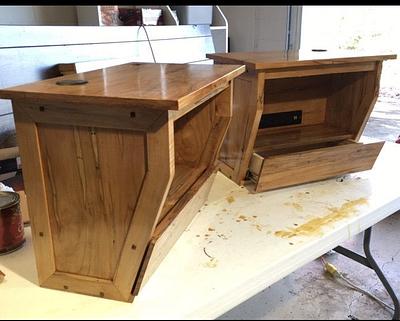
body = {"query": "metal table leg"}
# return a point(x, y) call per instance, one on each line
point(369, 261)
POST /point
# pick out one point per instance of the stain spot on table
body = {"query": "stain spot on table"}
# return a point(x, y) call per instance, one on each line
point(315, 225)
point(212, 263)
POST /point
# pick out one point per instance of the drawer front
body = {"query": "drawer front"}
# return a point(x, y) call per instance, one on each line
point(312, 165)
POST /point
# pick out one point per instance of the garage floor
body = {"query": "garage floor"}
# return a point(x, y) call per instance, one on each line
point(310, 294)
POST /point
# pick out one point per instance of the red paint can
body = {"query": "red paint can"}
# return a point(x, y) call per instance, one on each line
point(12, 235)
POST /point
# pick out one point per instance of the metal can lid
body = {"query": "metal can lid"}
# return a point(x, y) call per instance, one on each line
point(8, 199)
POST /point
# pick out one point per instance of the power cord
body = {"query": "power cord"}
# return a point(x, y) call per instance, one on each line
point(148, 40)
point(335, 273)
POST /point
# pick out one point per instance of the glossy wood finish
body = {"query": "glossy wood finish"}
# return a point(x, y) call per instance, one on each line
point(248, 102)
point(104, 182)
point(334, 91)
point(158, 86)
point(291, 168)
point(279, 138)
point(299, 58)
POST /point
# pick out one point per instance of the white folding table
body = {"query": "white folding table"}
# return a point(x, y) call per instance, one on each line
point(237, 245)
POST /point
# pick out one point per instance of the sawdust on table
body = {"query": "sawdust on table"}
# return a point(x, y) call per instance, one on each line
point(258, 227)
point(230, 199)
point(252, 219)
point(315, 225)
point(295, 205)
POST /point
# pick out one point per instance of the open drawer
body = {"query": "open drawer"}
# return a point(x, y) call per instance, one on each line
point(300, 164)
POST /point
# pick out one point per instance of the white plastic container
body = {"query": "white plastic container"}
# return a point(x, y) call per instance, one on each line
point(194, 15)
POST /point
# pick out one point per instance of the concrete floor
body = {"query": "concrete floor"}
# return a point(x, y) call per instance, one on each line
point(309, 293)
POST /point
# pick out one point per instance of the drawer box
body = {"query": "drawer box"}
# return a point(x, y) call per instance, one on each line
point(280, 168)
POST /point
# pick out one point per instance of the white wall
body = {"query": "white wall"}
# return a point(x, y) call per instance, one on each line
point(258, 28)
point(38, 15)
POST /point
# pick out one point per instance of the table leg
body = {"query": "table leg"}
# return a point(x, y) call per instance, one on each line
point(369, 261)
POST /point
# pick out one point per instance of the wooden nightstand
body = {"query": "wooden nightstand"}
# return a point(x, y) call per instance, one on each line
point(116, 168)
point(298, 116)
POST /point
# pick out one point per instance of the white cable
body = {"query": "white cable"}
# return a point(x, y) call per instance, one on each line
point(364, 291)
point(352, 285)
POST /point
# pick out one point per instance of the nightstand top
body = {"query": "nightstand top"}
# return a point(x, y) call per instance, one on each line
point(158, 86)
point(283, 59)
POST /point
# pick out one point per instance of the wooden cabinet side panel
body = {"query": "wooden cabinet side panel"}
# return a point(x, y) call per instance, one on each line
point(352, 100)
point(160, 171)
point(248, 104)
point(171, 228)
point(28, 143)
point(93, 178)
point(369, 95)
point(344, 95)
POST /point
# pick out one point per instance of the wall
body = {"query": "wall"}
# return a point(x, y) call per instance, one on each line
point(38, 15)
point(261, 28)
point(28, 15)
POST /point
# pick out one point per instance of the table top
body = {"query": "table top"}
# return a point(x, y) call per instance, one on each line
point(296, 58)
point(159, 86)
point(237, 245)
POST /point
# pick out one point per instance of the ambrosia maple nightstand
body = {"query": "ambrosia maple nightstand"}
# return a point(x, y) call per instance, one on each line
point(298, 116)
point(116, 163)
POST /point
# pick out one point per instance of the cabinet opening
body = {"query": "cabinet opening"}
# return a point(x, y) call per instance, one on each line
point(191, 133)
point(314, 110)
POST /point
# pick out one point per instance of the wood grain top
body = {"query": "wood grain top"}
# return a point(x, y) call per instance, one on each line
point(159, 86)
point(282, 59)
